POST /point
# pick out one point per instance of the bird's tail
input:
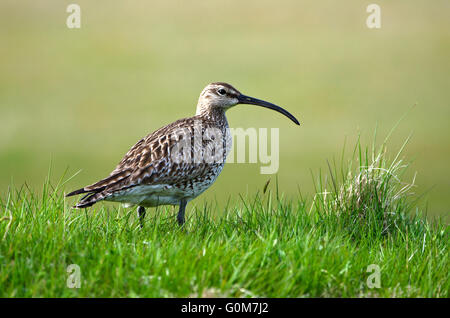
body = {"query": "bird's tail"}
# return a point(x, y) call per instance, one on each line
point(99, 190)
point(89, 199)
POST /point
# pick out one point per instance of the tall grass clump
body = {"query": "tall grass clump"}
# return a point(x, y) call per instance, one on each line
point(367, 193)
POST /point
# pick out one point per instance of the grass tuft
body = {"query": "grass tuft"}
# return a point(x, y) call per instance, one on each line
point(371, 196)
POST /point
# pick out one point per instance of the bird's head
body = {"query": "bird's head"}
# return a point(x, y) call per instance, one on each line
point(222, 96)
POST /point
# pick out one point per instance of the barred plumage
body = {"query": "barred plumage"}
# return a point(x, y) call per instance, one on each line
point(177, 162)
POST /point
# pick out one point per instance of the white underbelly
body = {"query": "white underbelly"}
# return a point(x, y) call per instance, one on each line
point(155, 195)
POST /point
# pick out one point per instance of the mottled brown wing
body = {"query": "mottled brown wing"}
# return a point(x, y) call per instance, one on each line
point(148, 156)
point(149, 161)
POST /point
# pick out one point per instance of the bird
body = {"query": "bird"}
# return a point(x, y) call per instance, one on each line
point(178, 162)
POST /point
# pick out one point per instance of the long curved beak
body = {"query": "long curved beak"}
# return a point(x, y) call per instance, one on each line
point(243, 99)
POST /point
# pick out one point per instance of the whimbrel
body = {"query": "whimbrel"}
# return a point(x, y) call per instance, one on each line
point(178, 162)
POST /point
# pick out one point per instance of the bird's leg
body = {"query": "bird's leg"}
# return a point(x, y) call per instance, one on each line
point(180, 216)
point(141, 214)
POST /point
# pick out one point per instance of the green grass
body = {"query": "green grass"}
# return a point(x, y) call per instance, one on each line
point(261, 246)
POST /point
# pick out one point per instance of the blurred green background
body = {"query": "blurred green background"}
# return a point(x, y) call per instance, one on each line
point(80, 98)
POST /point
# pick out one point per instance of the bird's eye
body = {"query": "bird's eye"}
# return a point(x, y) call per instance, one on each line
point(221, 91)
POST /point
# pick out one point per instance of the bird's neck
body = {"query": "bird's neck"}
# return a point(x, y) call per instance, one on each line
point(213, 114)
